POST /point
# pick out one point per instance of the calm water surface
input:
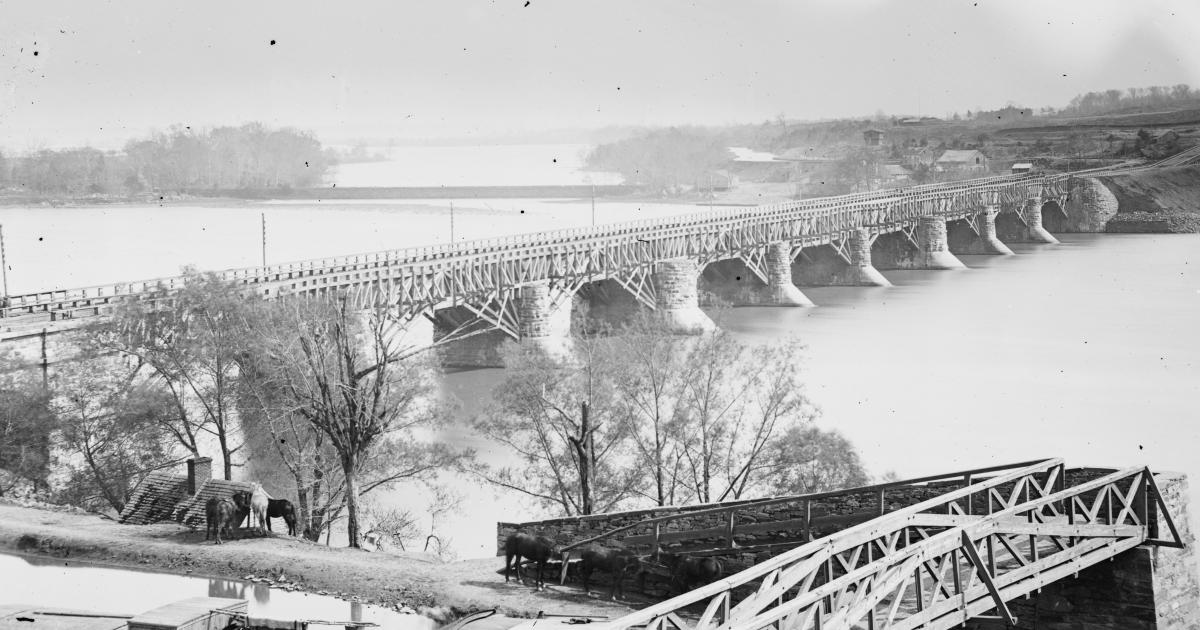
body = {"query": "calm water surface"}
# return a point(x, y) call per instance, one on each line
point(1087, 350)
point(56, 583)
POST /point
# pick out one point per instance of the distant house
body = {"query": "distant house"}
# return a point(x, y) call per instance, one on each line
point(894, 173)
point(917, 156)
point(961, 160)
point(1022, 167)
point(163, 496)
point(873, 137)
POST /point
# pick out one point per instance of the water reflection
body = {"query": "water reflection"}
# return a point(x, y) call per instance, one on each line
point(69, 584)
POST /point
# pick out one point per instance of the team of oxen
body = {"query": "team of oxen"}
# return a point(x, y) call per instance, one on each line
point(685, 571)
point(223, 514)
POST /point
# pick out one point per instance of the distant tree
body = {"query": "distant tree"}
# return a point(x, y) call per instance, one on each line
point(667, 160)
point(190, 339)
point(111, 427)
point(738, 402)
point(561, 420)
point(808, 459)
point(26, 429)
point(350, 376)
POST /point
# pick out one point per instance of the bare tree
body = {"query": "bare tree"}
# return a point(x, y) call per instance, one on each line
point(190, 338)
point(560, 419)
point(111, 425)
point(351, 377)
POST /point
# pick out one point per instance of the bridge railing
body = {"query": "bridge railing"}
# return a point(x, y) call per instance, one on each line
point(734, 514)
point(932, 564)
point(847, 205)
point(777, 576)
point(954, 566)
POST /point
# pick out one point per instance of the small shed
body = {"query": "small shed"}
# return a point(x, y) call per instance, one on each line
point(1022, 167)
point(873, 137)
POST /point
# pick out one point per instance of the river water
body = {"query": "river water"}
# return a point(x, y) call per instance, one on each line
point(68, 584)
point(1085, 350)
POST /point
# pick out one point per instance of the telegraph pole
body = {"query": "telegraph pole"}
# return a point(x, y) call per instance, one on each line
point(3, 264)
point(593, 205)
point(452, 222)
point(263, 216)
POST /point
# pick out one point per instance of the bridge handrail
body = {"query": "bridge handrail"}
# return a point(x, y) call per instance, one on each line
point(424, 253)
point(759, 503)
point(938, 544)
point(852, 535)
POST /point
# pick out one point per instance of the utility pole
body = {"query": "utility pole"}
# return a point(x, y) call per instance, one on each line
point(263, 216)
point(451, 222)
point(3, 264)
point(593, 205)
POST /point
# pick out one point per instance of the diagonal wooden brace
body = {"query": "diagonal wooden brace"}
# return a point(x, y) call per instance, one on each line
point(981, 569)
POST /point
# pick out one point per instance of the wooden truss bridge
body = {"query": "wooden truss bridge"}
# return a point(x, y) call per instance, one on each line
point(486, 276)
point(1003, 533)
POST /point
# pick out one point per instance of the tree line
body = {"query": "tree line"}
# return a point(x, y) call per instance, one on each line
point(328, 405)
point(641, 417)
point(250, 156)
point(1113, 100)
point(315, 398)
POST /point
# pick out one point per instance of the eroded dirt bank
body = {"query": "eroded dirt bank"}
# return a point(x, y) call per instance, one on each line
point(442, 590)
point(1160, 201)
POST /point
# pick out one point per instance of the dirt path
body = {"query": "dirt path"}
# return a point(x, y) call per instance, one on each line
point(439, 589)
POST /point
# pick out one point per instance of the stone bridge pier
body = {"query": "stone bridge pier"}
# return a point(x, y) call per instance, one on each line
point(926, 247)
point(851, 267)
point(732, 282)
point(677, 299)
point(1025, 226)
point(977, 235)
point(544, 319)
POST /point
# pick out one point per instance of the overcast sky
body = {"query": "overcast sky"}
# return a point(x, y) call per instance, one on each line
point(89, 71)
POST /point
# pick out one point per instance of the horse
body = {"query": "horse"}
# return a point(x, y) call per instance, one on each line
point(688, 570)
point(241, 499)
point(258, 504)
point(282, 508)
point(614, 561)
point(219, 515)
point(535, 548)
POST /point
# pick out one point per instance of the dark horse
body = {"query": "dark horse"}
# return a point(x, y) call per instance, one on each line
point(277, 508)
point(241, 499)
point(535, 548)
point(219, 515)
point(613, 561)
point(688, 570)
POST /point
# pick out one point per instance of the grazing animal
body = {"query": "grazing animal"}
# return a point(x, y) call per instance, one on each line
point(258, 504)
point(613, 561)
point(277, 508)
point(688, 570)
point(535, 548)
point(241, 500)
point(219, 515)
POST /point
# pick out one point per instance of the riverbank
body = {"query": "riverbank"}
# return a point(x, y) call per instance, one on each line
point(1163, 201)
point(440, 590)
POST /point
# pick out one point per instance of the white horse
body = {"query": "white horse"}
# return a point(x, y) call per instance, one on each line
point(258, 506)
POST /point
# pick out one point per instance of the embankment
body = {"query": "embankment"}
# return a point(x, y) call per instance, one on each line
point(1159, 201)
point(392, 580)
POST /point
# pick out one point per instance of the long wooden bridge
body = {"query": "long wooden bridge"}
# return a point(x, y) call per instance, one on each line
point(984, 538)
point(517, 285)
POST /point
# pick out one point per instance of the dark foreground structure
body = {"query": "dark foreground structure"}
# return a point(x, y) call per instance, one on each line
point(1028, 545)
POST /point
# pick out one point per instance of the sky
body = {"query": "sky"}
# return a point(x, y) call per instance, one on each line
point(100, 72)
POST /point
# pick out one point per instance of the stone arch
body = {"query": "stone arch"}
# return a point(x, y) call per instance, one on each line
point(1089, 206)
point(1054, 218)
